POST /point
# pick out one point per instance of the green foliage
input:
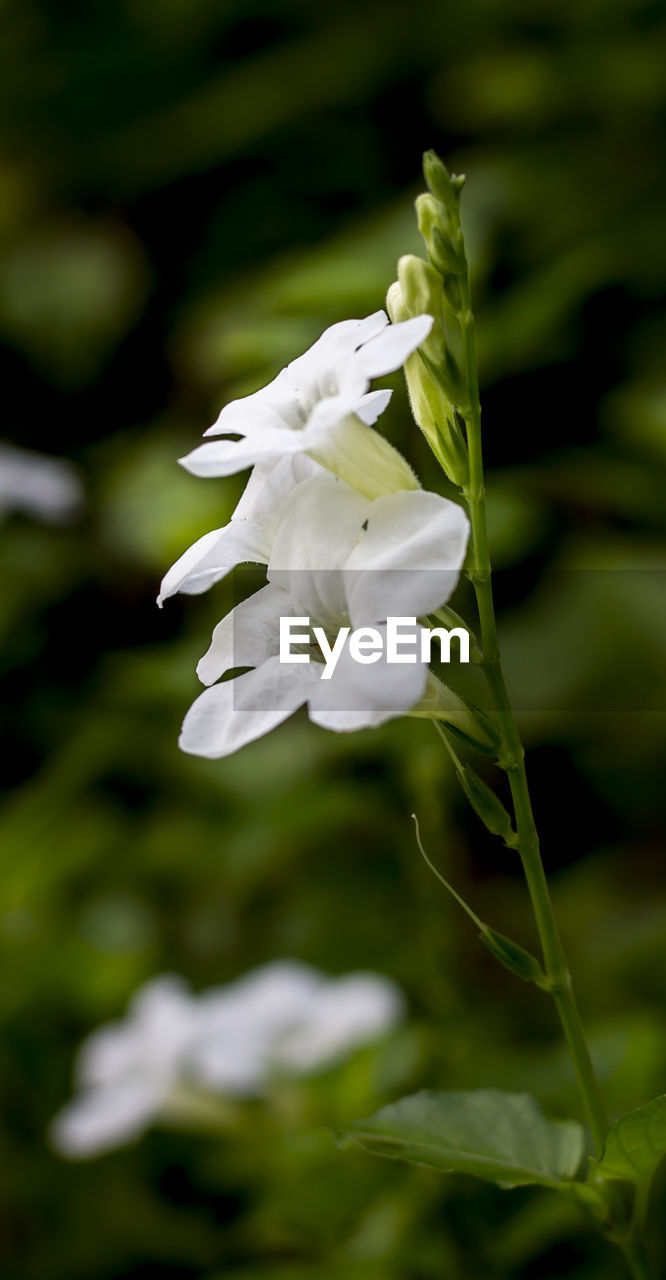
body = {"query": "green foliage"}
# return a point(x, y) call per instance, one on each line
point(502, 1137)
point(635, 1145)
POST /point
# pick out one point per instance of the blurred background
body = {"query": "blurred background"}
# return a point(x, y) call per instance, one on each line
point(190, 191)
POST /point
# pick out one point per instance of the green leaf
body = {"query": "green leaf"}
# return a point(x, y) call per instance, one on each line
point(635, 1144)
point(502, 1137)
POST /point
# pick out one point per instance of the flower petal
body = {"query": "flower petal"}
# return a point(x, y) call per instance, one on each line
point(331, 353)
point(269, 409)
point(269, 487)
point(409, 559)
point(312, 543)
point(211, 558)
point(249, 535)
point(231, 1062)
point(241, 1022)
point(247, 636)
point(371, 405)
point(105, 1117)
point(226, 457)
point(106, 1055)
point(361, 696)
point(227, 716)
point(320, 526)
point(163, 1008)
point(390, 348)
point(348, 1013)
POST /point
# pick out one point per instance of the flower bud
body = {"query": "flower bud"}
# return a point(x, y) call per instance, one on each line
point(487, 805)
point(420, 285)
point(430, 214)
point(514, 957)
point(433, 379)
point(395, 304)
point(445, 186)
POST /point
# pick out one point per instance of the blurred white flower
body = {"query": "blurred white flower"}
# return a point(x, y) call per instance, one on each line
point(340, 560)
point(127, 1070)
point(346, 1013)
point(320, 405)
point(284, 1017)
point(40, 486)
point(287, 1016)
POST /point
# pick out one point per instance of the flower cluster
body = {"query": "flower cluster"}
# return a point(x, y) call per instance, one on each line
point(174, 1050)
point(347, 535)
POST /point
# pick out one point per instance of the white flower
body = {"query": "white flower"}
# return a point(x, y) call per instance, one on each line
point(174, 1048)
point(127, 1071)
point(48, 488)
point(242, 1020)
point(348, 1012)
point(249, 534)
point(320, 405)
point(339, 559)
point(288, 1017)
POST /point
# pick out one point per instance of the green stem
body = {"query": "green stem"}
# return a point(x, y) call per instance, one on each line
point(512, 756)
point(636, 1259)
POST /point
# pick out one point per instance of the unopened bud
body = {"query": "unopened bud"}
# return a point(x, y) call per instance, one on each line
point(430, 214)
point(514, 957)
point(421, 286)
point(395, 304)
point(445, 186)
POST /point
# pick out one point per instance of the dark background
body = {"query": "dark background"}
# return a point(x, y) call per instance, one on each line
point(190, 191)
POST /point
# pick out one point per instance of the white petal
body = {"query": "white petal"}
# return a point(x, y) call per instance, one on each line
point(269, 409)
point(332, 352)
point(103, 1118)
point(162, 1008)
point(274, 994)
point(231, 1064)
point(362, 696)
point(247, 636)
point(226, 457)
point(249, 535)
point(389, 349)
point(227, 716)
point(106, 1055)
point(320, 526)
point(270, 485)
point(212, 557)
point(157, 1022)
point(312, 543)
point(409, 559)
point(349, 1012)
point(351, 394)
point(240, 1023)
point(45, 487)
point(371, 405)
